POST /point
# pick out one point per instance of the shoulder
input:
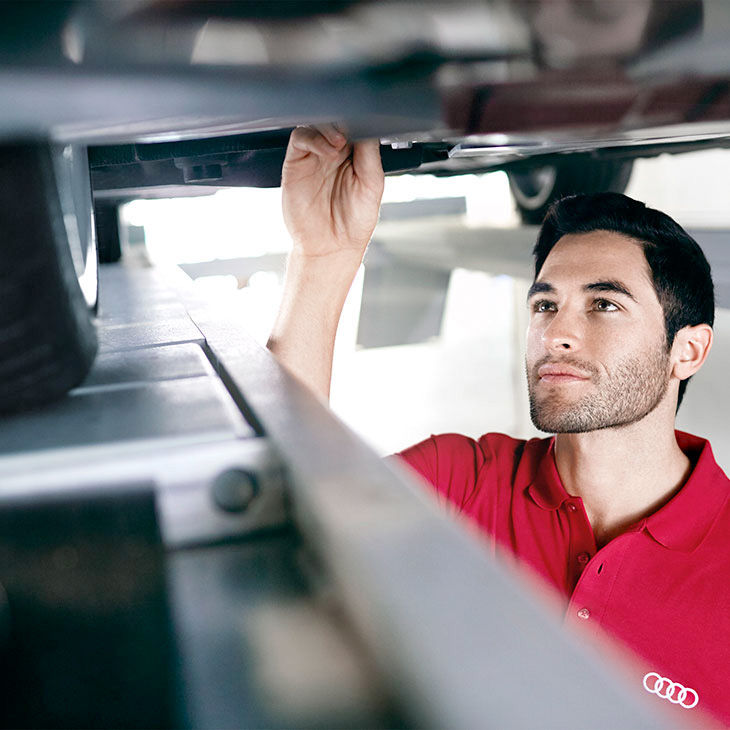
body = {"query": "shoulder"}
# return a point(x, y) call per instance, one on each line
point(452, 463)
point(456, 443)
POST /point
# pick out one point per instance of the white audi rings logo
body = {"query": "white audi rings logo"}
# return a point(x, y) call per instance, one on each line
point(673, 691)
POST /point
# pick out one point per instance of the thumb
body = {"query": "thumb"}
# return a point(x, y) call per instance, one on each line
point(366, 163)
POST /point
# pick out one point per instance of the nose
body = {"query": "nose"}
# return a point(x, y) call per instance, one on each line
point(563, 333)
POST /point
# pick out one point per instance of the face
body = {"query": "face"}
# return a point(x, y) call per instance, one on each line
point(596, 346)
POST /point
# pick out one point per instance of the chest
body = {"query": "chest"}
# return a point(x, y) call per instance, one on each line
point(671, 609)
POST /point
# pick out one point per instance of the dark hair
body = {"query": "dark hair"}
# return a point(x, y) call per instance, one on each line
point(679, 269)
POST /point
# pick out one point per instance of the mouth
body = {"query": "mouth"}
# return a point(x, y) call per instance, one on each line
point(556, 373)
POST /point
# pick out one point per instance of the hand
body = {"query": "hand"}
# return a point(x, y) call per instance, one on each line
point(331, 191)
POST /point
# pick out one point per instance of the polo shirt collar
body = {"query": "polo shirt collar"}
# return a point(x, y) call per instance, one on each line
point(683, 522)
point(546, 489)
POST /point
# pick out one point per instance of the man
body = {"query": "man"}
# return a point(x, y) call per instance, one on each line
point(625, 517)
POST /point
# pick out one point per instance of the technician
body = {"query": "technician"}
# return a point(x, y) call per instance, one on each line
point(627, 518)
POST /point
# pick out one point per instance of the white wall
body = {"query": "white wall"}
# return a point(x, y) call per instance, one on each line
point(469, 380)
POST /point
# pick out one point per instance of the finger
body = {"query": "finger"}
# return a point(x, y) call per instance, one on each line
point(306, 140)
point(335, 136)
point(342, 128)
point(366, 162)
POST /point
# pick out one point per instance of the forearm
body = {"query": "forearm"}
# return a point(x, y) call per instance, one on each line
point(303, 336)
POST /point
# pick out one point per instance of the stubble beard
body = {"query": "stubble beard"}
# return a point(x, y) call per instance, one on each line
point(625, 395)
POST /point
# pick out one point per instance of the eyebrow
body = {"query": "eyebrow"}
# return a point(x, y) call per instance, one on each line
point(540, 287)
point(609, 285)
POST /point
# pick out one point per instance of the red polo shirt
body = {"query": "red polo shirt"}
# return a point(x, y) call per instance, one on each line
point(662, 587)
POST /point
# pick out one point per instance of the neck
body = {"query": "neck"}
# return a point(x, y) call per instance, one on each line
point(622, 474)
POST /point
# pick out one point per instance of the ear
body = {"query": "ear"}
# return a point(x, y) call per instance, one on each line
point(690, 350)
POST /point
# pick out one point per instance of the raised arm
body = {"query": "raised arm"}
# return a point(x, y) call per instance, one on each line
point(331, 193)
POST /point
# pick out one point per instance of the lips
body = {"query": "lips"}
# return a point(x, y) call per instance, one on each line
point(559, 373)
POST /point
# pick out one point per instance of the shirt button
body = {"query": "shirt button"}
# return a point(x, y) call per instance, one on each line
point(583, 558)
point(570, 507)
point(584, 613)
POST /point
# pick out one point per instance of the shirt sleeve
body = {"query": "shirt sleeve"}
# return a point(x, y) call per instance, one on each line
point(450, 463)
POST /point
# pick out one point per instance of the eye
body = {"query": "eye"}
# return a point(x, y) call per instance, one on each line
point(544, 305)
point(603, 305)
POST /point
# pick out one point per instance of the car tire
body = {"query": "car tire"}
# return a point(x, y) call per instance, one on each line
point(536, 188)
point(47, 337)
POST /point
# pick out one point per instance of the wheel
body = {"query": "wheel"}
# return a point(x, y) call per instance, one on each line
point(71, 168)
point(47, 274)
point(535, 189)
point(106, 216)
